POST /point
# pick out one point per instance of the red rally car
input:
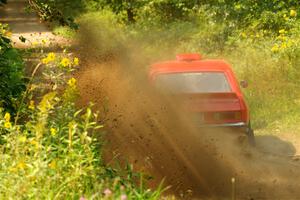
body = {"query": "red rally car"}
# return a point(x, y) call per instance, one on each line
point(210, 88)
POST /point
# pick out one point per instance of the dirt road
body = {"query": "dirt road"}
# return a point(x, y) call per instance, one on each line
point(151, 132)
point(28, 25)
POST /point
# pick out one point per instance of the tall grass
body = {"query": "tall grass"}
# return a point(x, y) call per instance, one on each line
point(53, 150)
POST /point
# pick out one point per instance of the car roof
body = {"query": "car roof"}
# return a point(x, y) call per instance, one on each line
point(189, 63)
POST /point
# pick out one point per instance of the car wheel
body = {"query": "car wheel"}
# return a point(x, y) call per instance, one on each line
point(250, 135)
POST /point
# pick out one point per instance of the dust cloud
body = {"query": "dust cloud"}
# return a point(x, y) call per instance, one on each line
point(158, 137)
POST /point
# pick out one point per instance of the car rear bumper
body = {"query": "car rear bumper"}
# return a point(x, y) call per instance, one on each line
point(239, 127)
point(238, 124)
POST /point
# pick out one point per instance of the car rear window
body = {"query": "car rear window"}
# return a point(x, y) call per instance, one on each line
point(193, 82)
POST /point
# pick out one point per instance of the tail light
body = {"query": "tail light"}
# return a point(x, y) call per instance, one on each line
point(218, 117)
point(224, 116)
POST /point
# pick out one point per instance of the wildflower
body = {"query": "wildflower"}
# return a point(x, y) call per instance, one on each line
point(53, 131)
point(34, 143)
point(7, 117)
point(21, 165)
point(7, 125)
point(65, 62)
point(45, 61)
point(52, 165)
point(31, 105)
point(82, 198)
point(123, 197)
point(50, 57)
point(44, 41)
point(281, 37)
point(8, 34)
point(107, 192)
point(282, 31)
point(243, 34)
point(275, 48)
point(283, 45)
point(286, 17)
point(47, 102)
point(72, 82)
point(76, 61)
point(293, 13)
point(35, 43)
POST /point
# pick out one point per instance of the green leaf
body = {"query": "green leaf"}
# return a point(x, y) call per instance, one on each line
point(22, 39)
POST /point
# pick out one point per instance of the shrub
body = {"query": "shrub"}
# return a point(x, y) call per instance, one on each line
point(54, 152)
point(11, 71)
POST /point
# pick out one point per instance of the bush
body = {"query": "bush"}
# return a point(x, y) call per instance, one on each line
point(54, 152)
point(11, 71)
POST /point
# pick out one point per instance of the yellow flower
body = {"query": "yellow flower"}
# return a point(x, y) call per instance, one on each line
point(47, 102)
point(283, 45)
point(293, 13)
point(275, 48)
point(44, 41)
point(282, 31)
point(8, 34)
point(31, 105)
point(65, 62)
point(35, 43)
point(243, 34)
point(21, 165)
point(7, 117)
point(35, 143)
point(281, 37)
point(76, 61)
point(51, 56)
point(53, 131)
point(52, 165)
point(72, 82)
point(45, 61)
point(7, 125)
point(286, 17)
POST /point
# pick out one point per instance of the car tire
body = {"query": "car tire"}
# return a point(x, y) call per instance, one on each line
point(250, 135)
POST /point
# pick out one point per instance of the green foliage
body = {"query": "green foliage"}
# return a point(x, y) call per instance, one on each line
point(11, 71)
point(273, 84)
point(62, 12)
point(3, 2)
point(256, 14)
point(64, 31)
point(52, 150)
